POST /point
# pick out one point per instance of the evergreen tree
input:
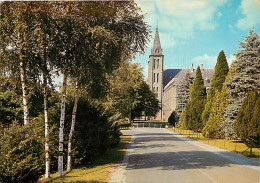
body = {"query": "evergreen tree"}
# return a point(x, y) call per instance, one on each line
point(246, 78)
point(221, 70)
point(248, 119)
point(196, 103)
point(183, 93)
point(213, 127)
point(181, 124)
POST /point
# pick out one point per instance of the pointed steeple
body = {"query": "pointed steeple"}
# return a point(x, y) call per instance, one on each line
point(157, 49)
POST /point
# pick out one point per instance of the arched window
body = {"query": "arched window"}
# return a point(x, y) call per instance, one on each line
point(157, 77)
point(157, 63)
point(154, 60)
point(153, 77)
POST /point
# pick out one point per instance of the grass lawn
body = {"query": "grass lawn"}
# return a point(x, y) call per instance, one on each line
point(230, 145)
point(96, 172)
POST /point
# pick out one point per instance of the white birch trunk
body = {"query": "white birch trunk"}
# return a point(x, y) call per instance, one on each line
point(73, 121)
point(25, 97)
point(62, 119)
point(47, 146)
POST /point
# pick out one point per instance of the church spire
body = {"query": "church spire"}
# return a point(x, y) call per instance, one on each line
point(157, 49)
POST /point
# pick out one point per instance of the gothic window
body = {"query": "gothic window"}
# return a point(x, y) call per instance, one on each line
point(154, 60)
point(157, 63)
point(153, 77)
point(157, 77)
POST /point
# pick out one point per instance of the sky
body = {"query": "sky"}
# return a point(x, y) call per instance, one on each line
point(195, 31)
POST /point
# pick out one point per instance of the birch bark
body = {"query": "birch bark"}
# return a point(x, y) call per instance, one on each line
point(73, 121)
point(25, 97)
point(62, 119)
point(47, 146)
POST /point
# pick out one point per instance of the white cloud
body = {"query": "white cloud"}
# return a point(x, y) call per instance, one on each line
point(219, 14)
point(181, 18)
point(230, 59)
point(206, 60)
point(251, 10)
point(210, 61)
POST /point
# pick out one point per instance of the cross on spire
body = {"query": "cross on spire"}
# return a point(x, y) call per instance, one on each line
point(157, 49)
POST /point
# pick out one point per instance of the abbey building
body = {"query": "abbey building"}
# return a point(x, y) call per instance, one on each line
point(165, 82)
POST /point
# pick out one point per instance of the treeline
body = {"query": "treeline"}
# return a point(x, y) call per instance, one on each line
point(89, 44)
point(230, 108)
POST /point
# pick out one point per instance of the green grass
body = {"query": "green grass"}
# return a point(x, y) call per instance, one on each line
point(230, 145)
point(159, 121)
point(99, 171)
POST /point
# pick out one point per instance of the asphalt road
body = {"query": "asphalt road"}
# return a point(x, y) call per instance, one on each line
point(158, 155)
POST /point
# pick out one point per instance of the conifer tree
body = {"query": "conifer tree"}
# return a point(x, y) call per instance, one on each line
point(183, 93)
point(196, 103)
point(246, 78)
point(221, 70)
point(248, 119)
point(181, 124)
point(213, 127)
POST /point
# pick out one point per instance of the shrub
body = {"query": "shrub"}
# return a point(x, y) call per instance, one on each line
point(172, 118)
point(22, 153)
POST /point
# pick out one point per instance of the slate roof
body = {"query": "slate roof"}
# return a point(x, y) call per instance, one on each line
point(169, 74)
point(206, 74)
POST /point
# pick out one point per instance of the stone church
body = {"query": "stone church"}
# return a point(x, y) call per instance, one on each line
point(165, 82)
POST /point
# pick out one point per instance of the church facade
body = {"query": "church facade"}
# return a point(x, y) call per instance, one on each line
point(165, 82)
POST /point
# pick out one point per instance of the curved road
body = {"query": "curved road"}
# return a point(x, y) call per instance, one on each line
point(158, 155)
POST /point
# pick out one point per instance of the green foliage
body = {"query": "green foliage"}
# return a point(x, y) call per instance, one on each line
point(183, 93)
point(182, 123)
point(172, 118)
point(245, 78)
point(247, 124)
point(196, 103)
point(22, 150)
point(129, 92)
point(93, 132)
point(221, 70)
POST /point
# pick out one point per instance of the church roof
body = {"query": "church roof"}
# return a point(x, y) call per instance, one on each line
point(206, 75)
point(168, 75)
point(157, 49)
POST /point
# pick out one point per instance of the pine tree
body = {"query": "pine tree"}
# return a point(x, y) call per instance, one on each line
point(221, 70)
point(196, 103)
point(183, 93)
point(246, 78)
point(248, 119)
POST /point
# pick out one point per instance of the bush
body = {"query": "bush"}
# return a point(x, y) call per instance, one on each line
point(247, 122)
point(22, 153)
point(93, 132)
point(172, 118)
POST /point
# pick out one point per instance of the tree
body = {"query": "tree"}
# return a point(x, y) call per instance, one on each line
point(172, 118)
point(182, 123)
point(221, 70)
point(245, 78)
point(248, 119)
point(214, 126)
point(196, 103)
point(183, 93)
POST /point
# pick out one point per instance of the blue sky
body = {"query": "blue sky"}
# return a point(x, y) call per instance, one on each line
point(195, 31)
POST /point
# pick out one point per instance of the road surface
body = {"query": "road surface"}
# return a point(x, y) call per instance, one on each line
point(158, 155)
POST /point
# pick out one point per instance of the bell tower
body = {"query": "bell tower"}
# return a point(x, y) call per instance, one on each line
point(155, 70)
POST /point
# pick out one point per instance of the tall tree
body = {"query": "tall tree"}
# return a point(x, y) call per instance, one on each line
point(220, 73)
point(247, 123)
point(246, 78)
point(183, 93)
point(214, 127)
point(196, 103)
